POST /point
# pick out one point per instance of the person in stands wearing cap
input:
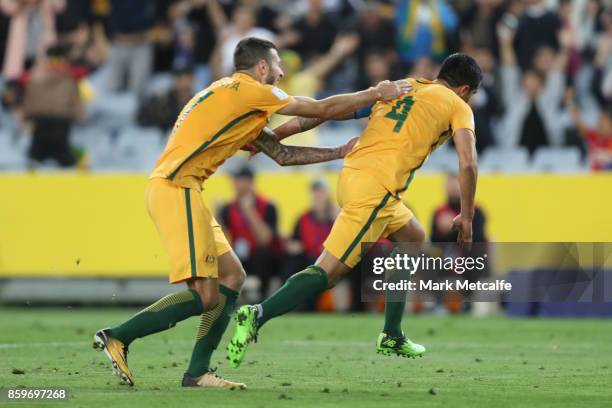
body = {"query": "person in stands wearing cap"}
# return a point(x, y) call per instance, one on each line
point(310, 231)
point(250, 222)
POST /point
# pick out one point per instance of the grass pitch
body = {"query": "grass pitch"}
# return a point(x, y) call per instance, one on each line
point(322, 361)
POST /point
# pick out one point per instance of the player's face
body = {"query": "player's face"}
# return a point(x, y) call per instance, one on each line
point(466, 93)
point(275, 72)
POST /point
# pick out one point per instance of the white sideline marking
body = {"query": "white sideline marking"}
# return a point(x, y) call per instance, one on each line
point(326, 343)
point(49, 344)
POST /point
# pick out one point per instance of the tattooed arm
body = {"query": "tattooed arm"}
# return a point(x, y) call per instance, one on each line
point(267, 142)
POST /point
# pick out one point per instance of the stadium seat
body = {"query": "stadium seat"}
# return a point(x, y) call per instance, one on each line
point(12, 152)
point(557, 159)
point(443, 159)
point(138, 148)
point(113, 110)
point(506, 160)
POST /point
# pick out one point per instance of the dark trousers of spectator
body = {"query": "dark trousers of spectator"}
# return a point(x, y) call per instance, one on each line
point(264, 264)
point(50, 140)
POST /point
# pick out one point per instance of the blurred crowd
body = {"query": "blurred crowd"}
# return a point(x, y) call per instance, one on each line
point(99, 67)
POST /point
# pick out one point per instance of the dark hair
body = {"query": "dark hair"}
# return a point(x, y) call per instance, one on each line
point(250, 51)
point(461, 69)
point(58, 51)
point(244, 172)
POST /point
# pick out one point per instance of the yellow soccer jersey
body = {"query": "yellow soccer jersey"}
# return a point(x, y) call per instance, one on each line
point(401, 133)
point(214, 124)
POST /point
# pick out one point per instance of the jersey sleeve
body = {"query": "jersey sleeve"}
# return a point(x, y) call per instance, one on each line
point(462, 117)
point(269, 99)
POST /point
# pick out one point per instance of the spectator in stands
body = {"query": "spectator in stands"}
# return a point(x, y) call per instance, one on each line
point(12, 100)
point(12, 95)
point(310, 79)
point(31, 31)
point(376, 33)
point(315, 32)
point(532, 111)
point(52, 102)
point(207, 19)
point(243, 24)
point(88, 46)
point(486, 104)
point(376, 69)
point(442, 232)
point(162, 33)
point(442, 222)
point(477, 25)
point(313, 226)
point(307, 79)
point(310, 231)
point(199, 17)
point(131, 54)
point(598, 138)
point(162, 110)
point(250, 222)
point(601, 84)
point(538, 27)
point(184, 46)
point(424, 28)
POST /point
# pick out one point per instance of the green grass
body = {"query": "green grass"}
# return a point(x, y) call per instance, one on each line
point(322, 361)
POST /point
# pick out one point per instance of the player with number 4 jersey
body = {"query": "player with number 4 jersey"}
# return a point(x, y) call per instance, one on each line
point(399, 137)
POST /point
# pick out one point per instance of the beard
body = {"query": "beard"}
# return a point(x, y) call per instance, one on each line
point(270, 79)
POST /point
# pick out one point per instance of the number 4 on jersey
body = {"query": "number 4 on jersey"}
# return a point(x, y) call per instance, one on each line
point(399, 112)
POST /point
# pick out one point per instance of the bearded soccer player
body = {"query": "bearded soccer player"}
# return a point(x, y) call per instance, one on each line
point(219, 120)
point(400, 135)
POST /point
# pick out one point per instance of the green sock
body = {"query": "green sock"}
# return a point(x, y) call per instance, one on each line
point(161, 315)
point(212, 326)
point(394, 311)
point(302, 286)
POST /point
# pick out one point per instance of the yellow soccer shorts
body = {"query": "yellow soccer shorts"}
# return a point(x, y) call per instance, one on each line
point(368, 212)
point(190, 235)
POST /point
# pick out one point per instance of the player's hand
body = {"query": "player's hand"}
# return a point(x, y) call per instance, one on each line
point(393, 89)
point(251, 149)
point(348, 146)
point(463, 226)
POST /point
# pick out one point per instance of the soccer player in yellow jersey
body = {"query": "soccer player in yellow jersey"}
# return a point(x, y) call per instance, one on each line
point(219, 120)
point(399, 137)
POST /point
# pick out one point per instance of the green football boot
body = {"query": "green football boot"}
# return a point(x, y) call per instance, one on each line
point(245, 334)
point(400, 346)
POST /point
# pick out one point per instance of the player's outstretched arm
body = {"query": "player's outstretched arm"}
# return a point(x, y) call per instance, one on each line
point(268, 143)
point(296, 125)
point(465, 144)
point(300, 124)
point(339, 105)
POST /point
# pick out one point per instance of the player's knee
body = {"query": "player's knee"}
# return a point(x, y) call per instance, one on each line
point(236, 279)
point(210, 299)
